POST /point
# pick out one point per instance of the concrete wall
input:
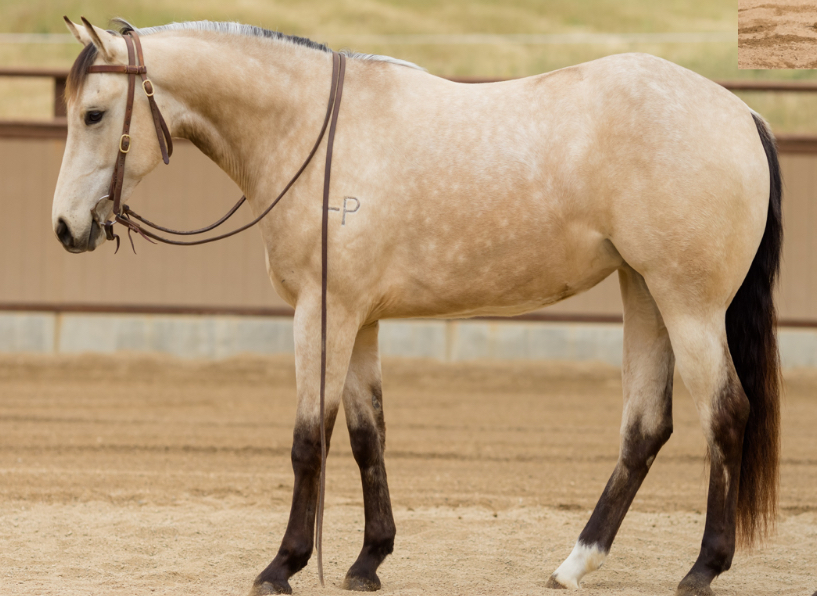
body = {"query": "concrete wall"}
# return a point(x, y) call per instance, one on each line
point(223, 336)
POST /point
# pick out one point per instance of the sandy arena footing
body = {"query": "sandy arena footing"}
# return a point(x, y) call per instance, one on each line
point(162, 476)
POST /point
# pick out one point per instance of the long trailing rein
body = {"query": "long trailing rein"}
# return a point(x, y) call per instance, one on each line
point(123, 215)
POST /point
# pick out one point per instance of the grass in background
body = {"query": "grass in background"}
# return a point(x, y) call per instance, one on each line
point(391, 16)
point(338, 22)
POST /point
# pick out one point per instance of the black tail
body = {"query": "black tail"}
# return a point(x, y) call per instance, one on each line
point(751, 322)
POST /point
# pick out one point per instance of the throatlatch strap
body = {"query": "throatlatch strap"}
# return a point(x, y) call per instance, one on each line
point(162, 132)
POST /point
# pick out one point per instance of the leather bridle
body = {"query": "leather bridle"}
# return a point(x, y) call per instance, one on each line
point(124, 215)
point(136, 65)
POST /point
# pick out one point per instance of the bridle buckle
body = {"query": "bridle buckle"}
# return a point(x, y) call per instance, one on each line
point(124, 143)
point(147, 84)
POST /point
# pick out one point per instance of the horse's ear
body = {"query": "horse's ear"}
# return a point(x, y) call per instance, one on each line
point(77, 31)
point(99, 37)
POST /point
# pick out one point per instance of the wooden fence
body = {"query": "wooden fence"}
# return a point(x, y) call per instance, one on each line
point(230, 276)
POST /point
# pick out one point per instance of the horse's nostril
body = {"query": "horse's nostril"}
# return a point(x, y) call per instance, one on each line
point(64, 234)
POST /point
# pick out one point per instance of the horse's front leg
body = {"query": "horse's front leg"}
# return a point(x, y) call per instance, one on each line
point(363, 404)
point(297, 544)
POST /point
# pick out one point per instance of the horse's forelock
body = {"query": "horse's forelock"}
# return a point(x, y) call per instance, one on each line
point(121, 26)
point(79, 70)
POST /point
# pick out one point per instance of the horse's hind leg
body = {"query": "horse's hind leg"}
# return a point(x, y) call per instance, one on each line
point(363, 404)
point(646, 425)
point(706, 366)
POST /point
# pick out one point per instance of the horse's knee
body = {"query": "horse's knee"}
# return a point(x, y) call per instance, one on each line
point(306, 445)
point(366, 447)
point(306, 451)
point(367, 433)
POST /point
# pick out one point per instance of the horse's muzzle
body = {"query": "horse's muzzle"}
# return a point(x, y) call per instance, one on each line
point(84, 242)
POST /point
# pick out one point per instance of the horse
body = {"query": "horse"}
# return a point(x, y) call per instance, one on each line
point(461, 200)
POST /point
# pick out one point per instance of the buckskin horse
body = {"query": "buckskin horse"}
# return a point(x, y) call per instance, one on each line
point(461, 200)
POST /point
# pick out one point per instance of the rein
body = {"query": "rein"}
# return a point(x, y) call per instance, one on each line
point(123, 215)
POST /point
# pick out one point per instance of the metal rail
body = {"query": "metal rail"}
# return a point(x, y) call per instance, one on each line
point(285, 311)
point(58, 75)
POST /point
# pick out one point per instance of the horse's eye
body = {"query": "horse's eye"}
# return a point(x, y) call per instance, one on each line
point(93, 117)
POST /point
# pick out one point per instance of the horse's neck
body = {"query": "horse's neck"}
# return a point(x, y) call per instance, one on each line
point(253, 106)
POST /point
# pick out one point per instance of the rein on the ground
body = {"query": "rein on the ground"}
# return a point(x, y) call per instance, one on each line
point(123, 215)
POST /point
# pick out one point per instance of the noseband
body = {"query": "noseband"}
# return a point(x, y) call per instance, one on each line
point(123, 214)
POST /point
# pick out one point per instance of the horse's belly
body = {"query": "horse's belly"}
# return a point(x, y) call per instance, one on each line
point(492, 277)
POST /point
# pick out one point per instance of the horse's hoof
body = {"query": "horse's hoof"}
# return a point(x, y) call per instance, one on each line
point(359, 583)
point(690, 591)
point(693, 588)
point(271, 587)
point(554, 584)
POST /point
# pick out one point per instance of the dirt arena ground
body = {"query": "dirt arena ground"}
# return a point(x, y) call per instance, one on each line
point(152, 476)
point(777, 34)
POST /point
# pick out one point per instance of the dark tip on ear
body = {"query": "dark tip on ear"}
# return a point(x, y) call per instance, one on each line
point(67, 20)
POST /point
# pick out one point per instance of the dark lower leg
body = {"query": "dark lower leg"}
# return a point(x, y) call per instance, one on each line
point(296, 546)
point(718, 544)
point(638, 451)
point(647, 375)
point(637, 454)
point(368, 440)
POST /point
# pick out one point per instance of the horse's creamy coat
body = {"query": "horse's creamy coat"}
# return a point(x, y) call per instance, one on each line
point(492, 199)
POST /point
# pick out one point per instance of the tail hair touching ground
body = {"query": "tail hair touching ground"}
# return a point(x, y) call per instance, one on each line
point(751, 330)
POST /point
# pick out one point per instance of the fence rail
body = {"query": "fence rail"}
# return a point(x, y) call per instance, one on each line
point(285, 311)
point(59, 76)
point(238, 311)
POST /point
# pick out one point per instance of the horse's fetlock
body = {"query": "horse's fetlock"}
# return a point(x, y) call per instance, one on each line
point(297, 556)
point(379, 537)
point(383, 545)
point(718, 551)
